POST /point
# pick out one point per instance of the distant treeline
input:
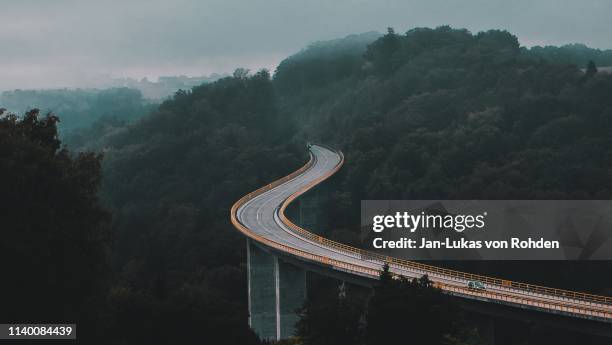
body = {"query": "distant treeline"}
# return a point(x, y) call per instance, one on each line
point(165, 86)
point(577, 54)
point(80, 108)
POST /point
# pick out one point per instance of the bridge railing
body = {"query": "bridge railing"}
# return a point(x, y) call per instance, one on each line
point(401, 263)
point(288, 249)
point(559, 306)
point(413, 265)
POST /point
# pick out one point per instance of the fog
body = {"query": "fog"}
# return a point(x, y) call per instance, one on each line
point(64, 43)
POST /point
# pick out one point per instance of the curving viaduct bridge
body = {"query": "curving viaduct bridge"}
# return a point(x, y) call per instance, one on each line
point(280, 252)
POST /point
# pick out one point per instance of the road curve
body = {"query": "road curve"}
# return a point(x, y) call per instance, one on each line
point(260, 216)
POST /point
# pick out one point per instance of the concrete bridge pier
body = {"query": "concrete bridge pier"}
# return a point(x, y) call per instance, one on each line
point(276, 290)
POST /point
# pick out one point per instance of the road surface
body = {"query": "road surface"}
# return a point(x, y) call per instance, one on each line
point(260, 216)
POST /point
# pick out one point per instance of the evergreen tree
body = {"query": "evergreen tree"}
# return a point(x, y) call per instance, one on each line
point(413, 311)
point(591, 69)
point(332, 319)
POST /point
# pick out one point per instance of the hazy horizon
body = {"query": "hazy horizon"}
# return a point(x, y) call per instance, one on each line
point(67, 43)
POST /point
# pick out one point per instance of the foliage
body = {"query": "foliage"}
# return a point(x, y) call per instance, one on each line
point(332, 317)
point(171, 180)
point(591, 69)
point(431, 113)
point(402, 309)
point(322, 63)
point(54, 234)
point(446, 114)
point(398, 311)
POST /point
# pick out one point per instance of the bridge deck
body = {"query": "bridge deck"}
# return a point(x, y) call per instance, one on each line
point(260, 216)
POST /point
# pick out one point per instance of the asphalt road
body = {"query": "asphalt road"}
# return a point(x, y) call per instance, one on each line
point(260, 215)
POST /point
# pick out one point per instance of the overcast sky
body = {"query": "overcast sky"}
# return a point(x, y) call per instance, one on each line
point(68, 43)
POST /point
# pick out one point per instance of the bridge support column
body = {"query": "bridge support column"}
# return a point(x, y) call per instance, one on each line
point(292, 294)
point(262, 291)
point(276, 290)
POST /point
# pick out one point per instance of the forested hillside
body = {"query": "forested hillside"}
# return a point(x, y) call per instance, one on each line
point(432, 113)
point(170, 180)
point(177, 268)
point(443, 113)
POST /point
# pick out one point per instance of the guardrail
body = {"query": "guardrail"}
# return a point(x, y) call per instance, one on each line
point(589, 300)
point(561, 307)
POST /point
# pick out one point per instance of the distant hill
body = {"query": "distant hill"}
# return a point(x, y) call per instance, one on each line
point(79, 108)
point(126, 100)
point(165, 86)
point(323, 62)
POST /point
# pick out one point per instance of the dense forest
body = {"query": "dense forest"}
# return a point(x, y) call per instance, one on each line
point(55, 233)
point(431, 113)
point(443, 113)
point(175, 272)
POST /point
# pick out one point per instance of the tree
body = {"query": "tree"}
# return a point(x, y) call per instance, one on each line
point(54, 234)
point(412, 311)
point(381, 53)
point(241, 73)
point(332, 319)
point(591, 69)
point(178, 282)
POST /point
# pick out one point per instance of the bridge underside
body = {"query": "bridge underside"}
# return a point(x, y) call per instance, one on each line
point(503, 319)
point(277, 278)
point(277, 290)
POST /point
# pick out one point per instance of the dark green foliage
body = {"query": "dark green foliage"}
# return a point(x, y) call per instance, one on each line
point(190, 313)
point(54, 235)
point(322, 63)
point(442, 113)
point(591, 69)
point(333, 316)
point(171, 180)
point(404, 310)
point(398, 311)
point(460, 110)
point(432, 113)
point(382, 52)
